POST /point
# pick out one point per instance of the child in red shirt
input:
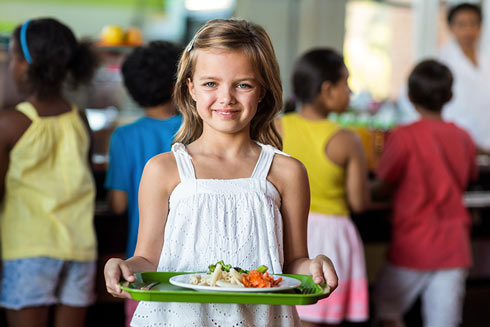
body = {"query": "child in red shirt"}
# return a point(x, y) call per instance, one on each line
point(426, 167)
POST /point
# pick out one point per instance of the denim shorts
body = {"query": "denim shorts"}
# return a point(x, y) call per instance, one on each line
point(32, 282)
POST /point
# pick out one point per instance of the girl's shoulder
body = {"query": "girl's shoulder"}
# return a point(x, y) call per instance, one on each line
point(286, 170)
point(342, 146)
point(346, 139)
point(286, 164)
point(13, 124)
point(163, 162)
point(162, 169)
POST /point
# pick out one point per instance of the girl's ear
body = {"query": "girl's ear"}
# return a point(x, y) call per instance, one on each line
point(190, 86)
point(326, 89)
point(263, 92)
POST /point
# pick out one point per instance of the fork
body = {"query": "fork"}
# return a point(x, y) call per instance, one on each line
point(148, 286)
point(312, 289)
point(308, 290)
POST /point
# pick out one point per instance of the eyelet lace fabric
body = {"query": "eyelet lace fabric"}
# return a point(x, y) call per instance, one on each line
point(236, 220)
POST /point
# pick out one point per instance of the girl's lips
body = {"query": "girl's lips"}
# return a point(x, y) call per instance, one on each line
point(226, 113)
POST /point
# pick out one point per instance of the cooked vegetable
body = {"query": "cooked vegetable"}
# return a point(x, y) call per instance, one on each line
point(259, 280)
point(223, 275)
point(241, 271)
point(224, 266)
point(262, 269)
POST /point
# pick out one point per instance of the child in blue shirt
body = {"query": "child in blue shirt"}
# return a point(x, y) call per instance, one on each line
point(148, 74)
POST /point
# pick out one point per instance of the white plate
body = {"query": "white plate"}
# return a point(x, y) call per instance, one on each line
point(287, 283)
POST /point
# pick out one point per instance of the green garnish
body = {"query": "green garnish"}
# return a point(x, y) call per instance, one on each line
point(262, 269)
point(225, 267)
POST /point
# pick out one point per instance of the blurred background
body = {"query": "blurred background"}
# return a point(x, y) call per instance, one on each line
point(390, 35)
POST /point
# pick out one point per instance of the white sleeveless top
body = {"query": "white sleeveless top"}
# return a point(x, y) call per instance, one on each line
point(234, 220)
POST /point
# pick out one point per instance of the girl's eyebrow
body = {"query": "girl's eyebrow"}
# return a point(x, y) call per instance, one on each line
point(241, 79)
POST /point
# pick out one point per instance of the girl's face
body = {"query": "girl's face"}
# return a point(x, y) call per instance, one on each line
point(337, 97)
point(17, 66)
point(225, 89)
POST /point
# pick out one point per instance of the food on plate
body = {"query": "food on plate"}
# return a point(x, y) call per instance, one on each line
point(257, 279)
point(223, 275)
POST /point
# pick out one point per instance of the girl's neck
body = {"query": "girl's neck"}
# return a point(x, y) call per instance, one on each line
point(312, 112)
point(163, 111)
point(222, 144)
point(49, 105)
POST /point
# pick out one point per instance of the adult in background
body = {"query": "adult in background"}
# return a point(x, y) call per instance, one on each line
point(470, 105)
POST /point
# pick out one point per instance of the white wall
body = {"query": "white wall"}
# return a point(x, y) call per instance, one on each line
point(296, 26)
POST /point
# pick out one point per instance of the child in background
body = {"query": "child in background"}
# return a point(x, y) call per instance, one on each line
point(337, 171)
point(425, 167)
point(46, 187)
point(225, 191)
point(149, 76)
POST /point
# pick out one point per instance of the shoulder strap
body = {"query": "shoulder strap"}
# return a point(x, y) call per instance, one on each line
point(184, 161)
point(28, 109)
point(265, 161)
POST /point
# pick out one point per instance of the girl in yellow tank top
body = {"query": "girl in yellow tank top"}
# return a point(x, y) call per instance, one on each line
point(337, 172)
point(47, 193)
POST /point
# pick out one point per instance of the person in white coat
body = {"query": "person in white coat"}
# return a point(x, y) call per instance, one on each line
point(470, 106)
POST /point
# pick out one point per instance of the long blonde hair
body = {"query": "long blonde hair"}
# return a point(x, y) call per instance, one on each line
point(252, 39)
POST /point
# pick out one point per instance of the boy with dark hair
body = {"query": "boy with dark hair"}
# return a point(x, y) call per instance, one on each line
point(149, 76)
point(425, 168)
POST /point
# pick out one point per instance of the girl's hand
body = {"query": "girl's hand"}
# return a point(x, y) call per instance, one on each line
point(114, 269)
point(322, 270)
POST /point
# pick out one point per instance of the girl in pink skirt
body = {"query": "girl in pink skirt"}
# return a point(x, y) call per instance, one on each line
point(336, 165)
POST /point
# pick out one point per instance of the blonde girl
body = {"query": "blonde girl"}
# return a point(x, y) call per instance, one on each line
point(225, 191)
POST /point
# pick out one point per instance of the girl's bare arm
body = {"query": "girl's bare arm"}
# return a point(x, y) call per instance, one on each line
point(357, 185)
point(345, 149)
point(290, 177)
point(159, 178)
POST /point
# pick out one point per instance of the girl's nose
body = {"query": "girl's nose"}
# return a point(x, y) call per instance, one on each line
point(226, 95)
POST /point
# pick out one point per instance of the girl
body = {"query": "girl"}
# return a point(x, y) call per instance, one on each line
point(228, 194)
point(46, 187)
point(335, 162)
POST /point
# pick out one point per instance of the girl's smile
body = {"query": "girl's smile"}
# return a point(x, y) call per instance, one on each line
point(225, 90)
point(226, 113)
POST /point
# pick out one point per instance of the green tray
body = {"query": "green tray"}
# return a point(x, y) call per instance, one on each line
point(307, 293)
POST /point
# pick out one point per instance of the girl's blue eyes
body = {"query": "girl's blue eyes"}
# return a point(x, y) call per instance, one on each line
point(240, 86)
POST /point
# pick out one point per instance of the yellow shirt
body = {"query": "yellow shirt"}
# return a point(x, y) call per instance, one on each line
point(48, 206)
point(306, 140)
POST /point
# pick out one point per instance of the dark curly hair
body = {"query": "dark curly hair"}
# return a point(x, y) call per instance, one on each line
point(310, 71)
point(56, 55)
point(149, 73)
point(429, 85)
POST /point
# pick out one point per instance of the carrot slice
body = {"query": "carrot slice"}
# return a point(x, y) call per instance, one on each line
point(257, 279)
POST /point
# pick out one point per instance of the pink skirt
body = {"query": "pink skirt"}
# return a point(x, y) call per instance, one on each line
point(337, 238)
